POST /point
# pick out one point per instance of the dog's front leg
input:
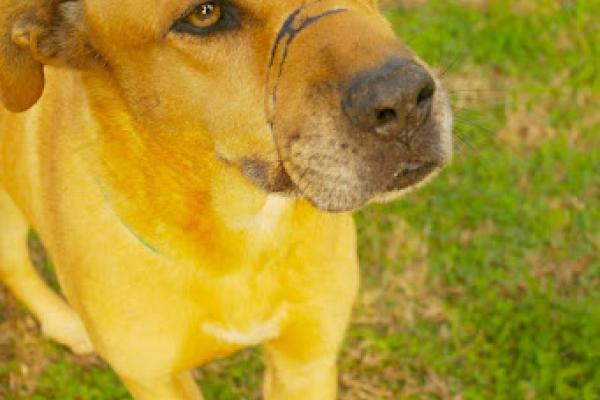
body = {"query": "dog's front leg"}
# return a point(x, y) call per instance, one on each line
point(171, 387)
point(57, 319)
point(301, 365)
point(288, 378)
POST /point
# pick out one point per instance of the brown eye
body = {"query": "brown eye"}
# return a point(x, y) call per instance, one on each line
point(208, 18)
point(205, 15)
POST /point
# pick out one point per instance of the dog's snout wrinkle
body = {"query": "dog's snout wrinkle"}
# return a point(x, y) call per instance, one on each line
point(391, 101)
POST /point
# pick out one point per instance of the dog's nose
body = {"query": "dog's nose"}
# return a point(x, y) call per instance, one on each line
point(391, 101)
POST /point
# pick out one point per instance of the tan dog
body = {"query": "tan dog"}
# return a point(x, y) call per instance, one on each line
point(191, 167)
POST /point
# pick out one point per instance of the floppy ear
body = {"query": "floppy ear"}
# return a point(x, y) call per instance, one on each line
point(34, 33)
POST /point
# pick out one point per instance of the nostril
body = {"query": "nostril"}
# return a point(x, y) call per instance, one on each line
point(391, 101)
point(386, 115)
point(425, 96)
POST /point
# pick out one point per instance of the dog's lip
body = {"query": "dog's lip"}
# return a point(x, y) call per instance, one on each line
point(411, 173)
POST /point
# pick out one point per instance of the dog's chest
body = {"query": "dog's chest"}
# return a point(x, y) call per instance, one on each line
point(264, 328)
point(245, 310)
point(252, 306)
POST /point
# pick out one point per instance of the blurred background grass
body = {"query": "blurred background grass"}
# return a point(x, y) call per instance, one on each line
point(483, 285)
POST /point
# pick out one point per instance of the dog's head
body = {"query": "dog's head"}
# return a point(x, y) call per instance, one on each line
point(314, 98)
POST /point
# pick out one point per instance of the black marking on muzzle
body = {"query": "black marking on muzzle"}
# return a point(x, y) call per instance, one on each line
point(285, 37)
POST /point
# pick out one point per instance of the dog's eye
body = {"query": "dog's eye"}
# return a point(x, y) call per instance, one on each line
point(206, 18)
point(205, 15)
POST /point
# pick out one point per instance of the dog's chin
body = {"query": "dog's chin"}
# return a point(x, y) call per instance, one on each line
point(410, 175)
point(328, 196)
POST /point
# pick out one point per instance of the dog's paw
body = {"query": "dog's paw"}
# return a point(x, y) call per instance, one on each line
point(69, 331)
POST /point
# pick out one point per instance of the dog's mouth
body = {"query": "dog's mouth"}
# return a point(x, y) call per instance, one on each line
point(411, 173)
point(274, 178)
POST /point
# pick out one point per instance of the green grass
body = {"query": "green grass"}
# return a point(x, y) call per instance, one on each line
point(66, 380)
point(510, 308)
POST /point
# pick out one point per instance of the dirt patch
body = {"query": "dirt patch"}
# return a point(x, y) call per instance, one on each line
point(398, 293)
point(519, 7)
point(23, 353)
point(467, 236)
point(531, 120)
point(404, 4)
point(416, 379)
point(528, 127)
point(472, 87)
point(562, 276)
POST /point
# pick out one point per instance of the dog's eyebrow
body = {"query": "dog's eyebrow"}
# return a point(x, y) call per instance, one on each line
point(110, 19)
point(182, 7)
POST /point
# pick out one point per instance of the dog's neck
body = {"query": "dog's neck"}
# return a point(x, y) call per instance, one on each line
point(183, 201)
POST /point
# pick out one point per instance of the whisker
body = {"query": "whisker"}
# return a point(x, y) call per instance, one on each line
point(450, 66)
point(465, 143)
point(473, 124)
point(477, 90)
point(466, 97)
point(480, 109)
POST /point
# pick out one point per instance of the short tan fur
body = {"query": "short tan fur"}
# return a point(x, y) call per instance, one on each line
point(188, 214)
